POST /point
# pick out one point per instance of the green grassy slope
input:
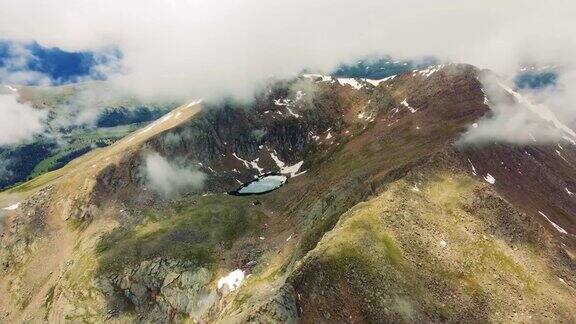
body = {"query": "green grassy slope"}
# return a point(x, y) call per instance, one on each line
point(435, 246)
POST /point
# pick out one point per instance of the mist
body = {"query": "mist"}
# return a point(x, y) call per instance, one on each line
point(522, 117)
point(190, 49)
point(19, 121)
point(14, 67)
point(169, 178)
point(90, 100)
point(182, 50)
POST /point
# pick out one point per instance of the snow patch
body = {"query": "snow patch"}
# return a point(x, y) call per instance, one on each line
point(254, 165)
point(540, 110)
point(351, 82)
point(292, 170)
point(299, 94)
point(281, 102)
point(569, 140)
point(556, 226)
point(11, 88)
point(473, 168)
point(489, 178)
point(323, 78)
point(429, 71)
point(278, 162)
point(249, 164)
point(12, 207)
point(486, 101)
point(246, 163)
point(377, 82)
point(231, 281)
point(292, 113)
point(362, 115)
point(405, 104)
point(560, 155)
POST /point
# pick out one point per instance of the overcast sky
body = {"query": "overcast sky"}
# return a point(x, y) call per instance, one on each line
point(181, 49)
point(200, 48)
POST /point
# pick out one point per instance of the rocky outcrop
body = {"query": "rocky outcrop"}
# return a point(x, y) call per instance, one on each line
point(281, 309)
point(161, 290)
point(24, 225)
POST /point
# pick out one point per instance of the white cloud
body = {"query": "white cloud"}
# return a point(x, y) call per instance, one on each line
point(534, 116)
point(19, 121)
point(189, 49)
point(204, 49)
point(14, 69)
point(87, 102)
point(169, 178)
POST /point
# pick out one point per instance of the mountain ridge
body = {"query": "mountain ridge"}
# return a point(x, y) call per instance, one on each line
point(377, 158)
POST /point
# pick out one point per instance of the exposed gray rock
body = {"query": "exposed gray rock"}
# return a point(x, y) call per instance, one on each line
point(161, 289)
point(281, 309)
point(25, 229)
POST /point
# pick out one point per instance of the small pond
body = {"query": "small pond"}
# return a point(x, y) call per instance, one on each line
point(261, 185)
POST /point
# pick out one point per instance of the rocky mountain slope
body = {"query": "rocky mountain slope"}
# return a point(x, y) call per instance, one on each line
point(385, 217)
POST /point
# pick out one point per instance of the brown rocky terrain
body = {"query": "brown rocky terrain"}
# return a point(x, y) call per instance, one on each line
point(393, 220)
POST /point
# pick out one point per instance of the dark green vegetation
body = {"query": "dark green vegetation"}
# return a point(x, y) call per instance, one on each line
point(27, 161)
point(181, 231)
point(16, 163)
point(117, 116)
point(80, 142)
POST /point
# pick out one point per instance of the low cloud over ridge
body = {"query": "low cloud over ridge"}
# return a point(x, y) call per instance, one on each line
point(179, 50)
point(169, 178)
point(189, 49)
point(18, 121)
